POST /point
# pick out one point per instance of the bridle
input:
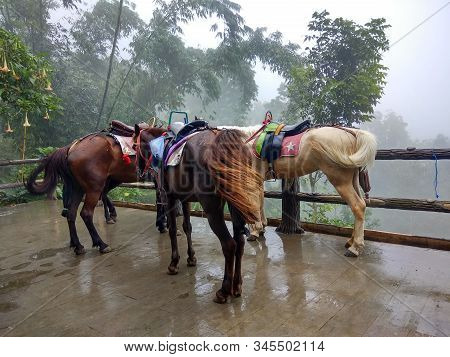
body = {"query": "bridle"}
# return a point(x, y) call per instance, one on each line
point(267, 119)
point(139, 155)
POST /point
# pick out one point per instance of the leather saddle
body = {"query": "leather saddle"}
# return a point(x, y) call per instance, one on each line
point(164, 146)
point(121, 129)
point(269, 143)
point(190, 128)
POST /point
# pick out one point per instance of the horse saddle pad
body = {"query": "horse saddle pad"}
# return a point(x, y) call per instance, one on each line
point(279, 140)
point(125, 142)
point(168, 150)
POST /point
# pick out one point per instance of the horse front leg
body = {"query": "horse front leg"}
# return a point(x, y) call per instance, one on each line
point(172, 223)
point(108, 217)
point(257, 229)
point(87, 214)
point(187, 227)
point(161, 219)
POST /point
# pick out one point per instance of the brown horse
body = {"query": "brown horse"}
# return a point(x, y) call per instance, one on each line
point(215, 168)
point(92, 167)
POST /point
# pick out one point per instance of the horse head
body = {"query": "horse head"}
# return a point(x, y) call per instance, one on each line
point(141, 140)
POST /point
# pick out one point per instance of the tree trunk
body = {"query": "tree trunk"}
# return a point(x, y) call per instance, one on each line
point(111, 60)
point(290, 206)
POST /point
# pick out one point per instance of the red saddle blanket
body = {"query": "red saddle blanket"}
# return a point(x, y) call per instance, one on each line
point(291, 144)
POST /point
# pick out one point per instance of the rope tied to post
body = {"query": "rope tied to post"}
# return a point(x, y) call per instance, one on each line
point(436, 173)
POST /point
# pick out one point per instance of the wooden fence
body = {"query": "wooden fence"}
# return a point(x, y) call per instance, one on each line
point(374, 202)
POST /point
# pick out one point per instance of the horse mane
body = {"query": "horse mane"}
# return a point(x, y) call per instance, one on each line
point(247, 130)
point(155, 131)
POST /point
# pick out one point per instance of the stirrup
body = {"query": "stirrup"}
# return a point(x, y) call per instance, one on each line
point(271, 176)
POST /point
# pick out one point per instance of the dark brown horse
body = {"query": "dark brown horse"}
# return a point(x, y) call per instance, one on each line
point(215, 168)
point(92, 167)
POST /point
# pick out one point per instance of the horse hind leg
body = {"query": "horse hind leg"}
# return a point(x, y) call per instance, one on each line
point(71, 215)
point(238, 236)
point(342, 180)
point(87, 214)
point(214, 213)
point(349, 242)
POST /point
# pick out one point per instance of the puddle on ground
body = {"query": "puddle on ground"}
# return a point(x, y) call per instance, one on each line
point(64, 272)
point(6, 213)
point(47, 253)
point(18, 280)
point(20, 266)
point(8, 306)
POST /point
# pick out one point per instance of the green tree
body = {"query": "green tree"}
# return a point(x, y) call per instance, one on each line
point(342, 78)
point(25, 82)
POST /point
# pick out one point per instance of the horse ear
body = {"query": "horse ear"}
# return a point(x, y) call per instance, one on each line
point(137, 130)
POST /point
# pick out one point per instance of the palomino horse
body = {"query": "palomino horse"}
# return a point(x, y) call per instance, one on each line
point(216, 168)
point(92, 167)
point(339, 153)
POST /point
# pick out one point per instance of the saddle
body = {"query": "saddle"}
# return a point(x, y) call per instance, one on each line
point(163, 147)
point(121, 129)
point(171, 145)
point(268, 144)
point(188, 129)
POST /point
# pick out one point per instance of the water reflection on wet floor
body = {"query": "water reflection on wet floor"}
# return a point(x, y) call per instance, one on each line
point(293, 285)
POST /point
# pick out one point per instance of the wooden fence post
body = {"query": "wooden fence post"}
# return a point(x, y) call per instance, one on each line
point(290, 207)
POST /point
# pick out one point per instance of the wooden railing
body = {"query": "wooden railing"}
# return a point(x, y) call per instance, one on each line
point(374, 202)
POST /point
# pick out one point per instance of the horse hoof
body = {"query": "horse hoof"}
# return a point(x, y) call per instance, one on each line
point(105, 250)
point(164, 230)
point(252, 238)
point(350, 254)
point(80, 251)
point(178, 233)
point(172, 270)
point(237, 292)
point(347, 245)
point(114, 218)
point(192, 262)
point(220, 298)
point(110, 221)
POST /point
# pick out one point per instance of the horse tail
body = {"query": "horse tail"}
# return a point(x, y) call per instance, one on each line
point(229, 162)
point(55, 165)
point(360, 155)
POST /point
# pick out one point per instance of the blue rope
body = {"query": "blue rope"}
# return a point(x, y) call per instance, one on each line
point(436, 172)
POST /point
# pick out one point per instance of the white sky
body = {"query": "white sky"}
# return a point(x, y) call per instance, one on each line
point(418, 82)
point(418, 85)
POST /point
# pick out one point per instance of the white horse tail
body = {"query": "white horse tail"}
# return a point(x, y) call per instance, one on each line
point(366, 149)
point(360, 155)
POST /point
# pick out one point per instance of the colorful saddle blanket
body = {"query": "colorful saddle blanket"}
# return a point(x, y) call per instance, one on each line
point(278, 140)
point(168, 149)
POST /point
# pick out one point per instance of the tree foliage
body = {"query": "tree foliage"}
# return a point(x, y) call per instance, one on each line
point(342, 78)
point(25, 80)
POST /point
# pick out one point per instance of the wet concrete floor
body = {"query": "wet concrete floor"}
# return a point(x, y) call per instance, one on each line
point(293, 285)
